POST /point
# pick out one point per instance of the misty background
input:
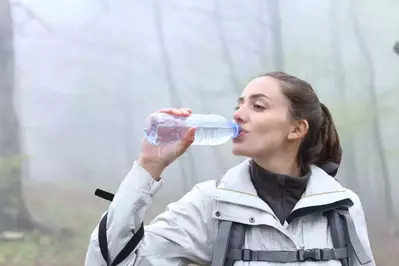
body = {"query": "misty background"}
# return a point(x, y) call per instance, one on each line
point(87, 73)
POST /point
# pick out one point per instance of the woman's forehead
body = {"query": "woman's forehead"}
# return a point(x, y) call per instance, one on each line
point(268, 86)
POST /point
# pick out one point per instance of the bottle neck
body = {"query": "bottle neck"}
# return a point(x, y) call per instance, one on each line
point(237, 129)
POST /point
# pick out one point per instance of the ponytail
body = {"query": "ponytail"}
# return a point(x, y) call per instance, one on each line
point(331, 150)
point(321, 145)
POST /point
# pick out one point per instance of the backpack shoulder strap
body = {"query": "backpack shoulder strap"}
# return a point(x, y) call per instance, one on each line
point(221, 244)
point(237, 239)
point(229, 249)
point(102, 236)
point(230, 235)
point(338, 234)
point(343, 232)
point(230, 241)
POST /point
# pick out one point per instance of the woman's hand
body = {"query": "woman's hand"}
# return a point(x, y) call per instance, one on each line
point(155, 158)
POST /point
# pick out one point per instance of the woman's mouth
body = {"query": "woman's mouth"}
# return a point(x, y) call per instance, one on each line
point(239, 138)
point(242, 133)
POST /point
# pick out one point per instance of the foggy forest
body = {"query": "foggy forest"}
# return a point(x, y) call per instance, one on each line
point(79, 77)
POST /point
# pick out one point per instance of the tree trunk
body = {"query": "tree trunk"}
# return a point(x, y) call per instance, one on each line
point(348, 142)
point(276, 32)
point(396, 47)
point(376, 130)
point(188, 162)
point(226, 55)
point(13, 213)
point(263, 35)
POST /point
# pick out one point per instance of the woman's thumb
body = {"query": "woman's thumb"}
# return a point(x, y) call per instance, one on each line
point(187, 140)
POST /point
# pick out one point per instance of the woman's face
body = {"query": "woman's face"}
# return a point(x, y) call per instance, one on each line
point(263, 113)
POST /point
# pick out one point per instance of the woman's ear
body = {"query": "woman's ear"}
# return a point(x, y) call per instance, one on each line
point(299, 129)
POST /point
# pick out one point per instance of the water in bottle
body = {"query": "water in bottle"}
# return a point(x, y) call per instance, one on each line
point(211, 129)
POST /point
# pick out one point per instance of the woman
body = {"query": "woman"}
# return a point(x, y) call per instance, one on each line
point(279, 194)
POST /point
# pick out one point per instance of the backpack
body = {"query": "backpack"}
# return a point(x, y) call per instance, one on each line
point(102, 235)
point(231, 235)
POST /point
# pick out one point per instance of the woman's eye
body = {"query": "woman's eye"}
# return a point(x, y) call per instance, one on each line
point(258, 107)
point(237, 107)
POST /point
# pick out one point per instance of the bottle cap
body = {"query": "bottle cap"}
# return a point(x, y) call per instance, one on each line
point(237, 129)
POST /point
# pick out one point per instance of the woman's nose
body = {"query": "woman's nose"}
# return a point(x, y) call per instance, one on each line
point(239, 116)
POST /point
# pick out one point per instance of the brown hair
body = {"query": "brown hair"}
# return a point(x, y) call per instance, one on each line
point(321, 144)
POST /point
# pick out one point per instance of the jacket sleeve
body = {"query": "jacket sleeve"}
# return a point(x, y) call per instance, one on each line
point(182, 234)
point(357, 214)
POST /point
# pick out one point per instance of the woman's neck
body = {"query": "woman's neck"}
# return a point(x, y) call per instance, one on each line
point(280, 165)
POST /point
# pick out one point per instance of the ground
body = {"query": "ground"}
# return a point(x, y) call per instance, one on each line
point(78, 210)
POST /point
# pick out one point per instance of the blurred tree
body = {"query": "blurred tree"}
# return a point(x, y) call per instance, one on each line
point(396, 47)
point(348, 141)
point(13, 212)
point(226, 55)
point(276, 31)
point(187, 159)
point(376, 125)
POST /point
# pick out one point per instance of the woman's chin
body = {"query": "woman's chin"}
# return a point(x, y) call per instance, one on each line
point(239, 150)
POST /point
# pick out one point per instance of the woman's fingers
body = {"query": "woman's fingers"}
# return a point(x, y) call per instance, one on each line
point(166, 111)
point(187, 140)
point(187, 111)
point(176, 112)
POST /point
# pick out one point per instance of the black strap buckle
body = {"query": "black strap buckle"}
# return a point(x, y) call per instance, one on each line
point(246, 255)
point(314, 254)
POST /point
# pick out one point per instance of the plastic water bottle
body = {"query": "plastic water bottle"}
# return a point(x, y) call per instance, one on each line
point(211, 130)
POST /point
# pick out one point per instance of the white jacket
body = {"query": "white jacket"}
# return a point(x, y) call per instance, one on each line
point(186, 231)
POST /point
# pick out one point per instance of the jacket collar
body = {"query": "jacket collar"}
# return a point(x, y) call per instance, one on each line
point(322, 189)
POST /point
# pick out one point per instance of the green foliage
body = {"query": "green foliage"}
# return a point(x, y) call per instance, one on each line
point(10, 163)
point(37, 249)
point(393, 154)
point(52, 205)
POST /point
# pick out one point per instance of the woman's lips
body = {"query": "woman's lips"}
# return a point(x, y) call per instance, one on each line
point(242, 133)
